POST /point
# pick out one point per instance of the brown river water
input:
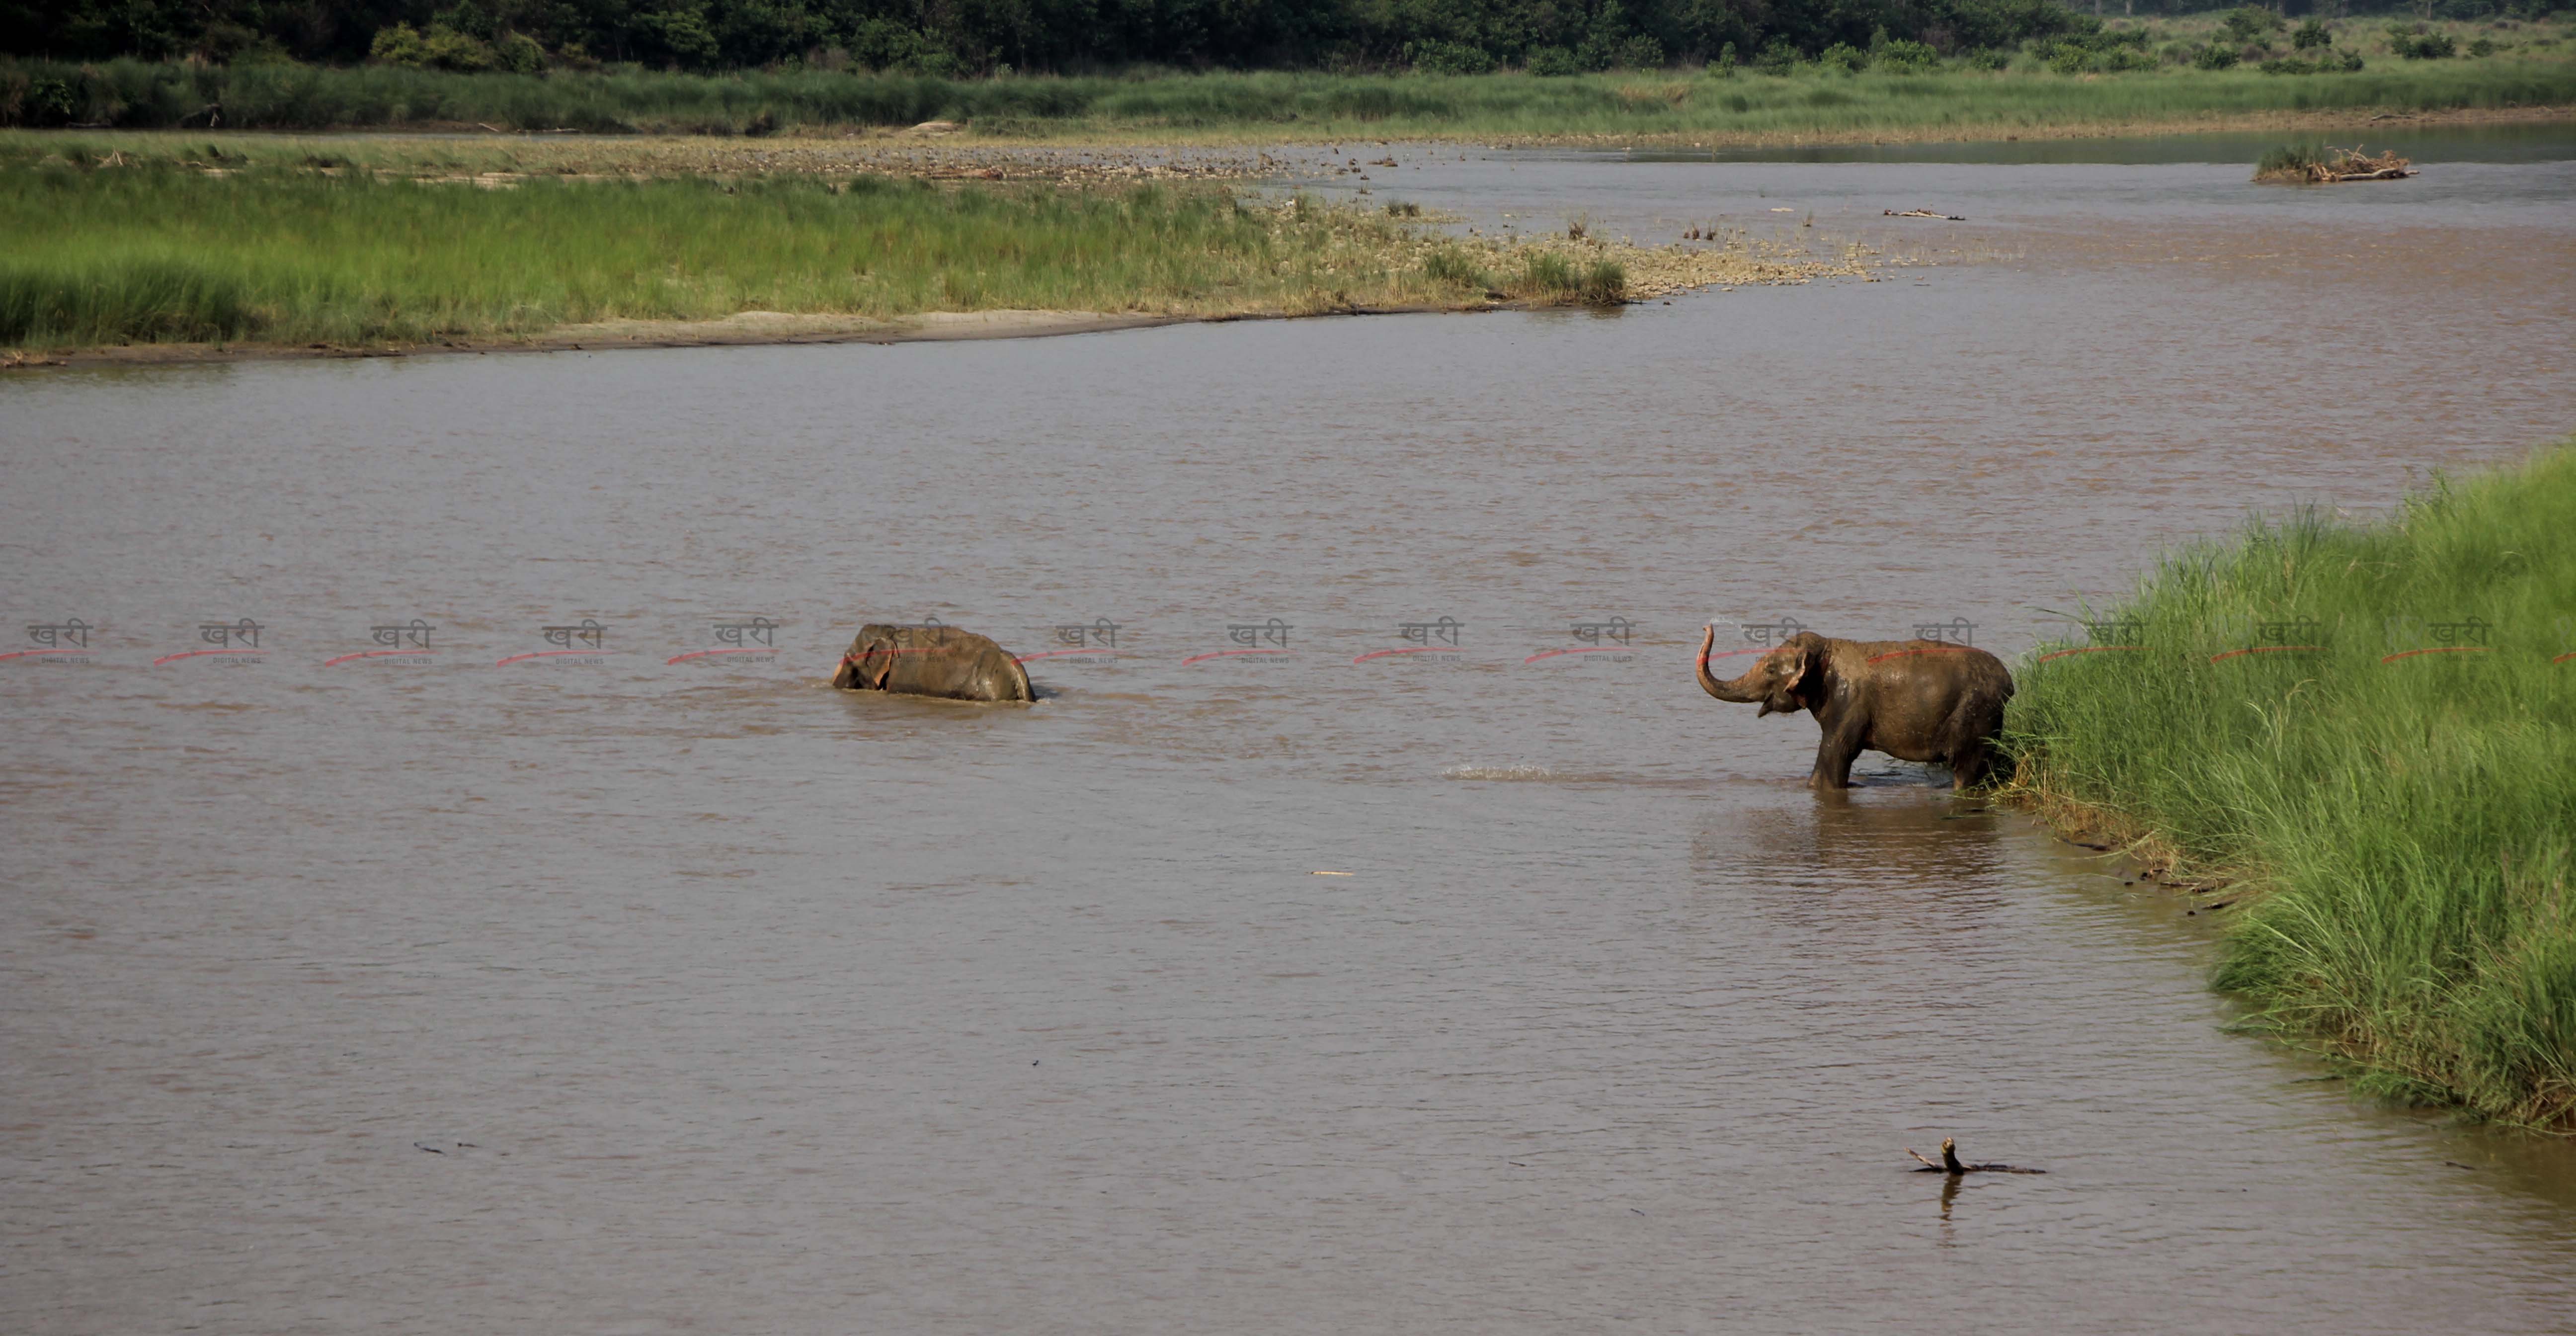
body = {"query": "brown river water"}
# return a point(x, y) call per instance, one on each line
point(597, 992)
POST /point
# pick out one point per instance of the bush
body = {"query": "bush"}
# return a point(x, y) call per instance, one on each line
point(1778, 58)
point(1991, 59)
point(444, 48)
point(2482, 48)
point(2311, 35)
point(2250, 24)
point(2327, 62)
point(1553, 62)
point(1843, 56)
point(519, 53)
point(2213, 58)
point(2414, 43)
point(1438, 57)
point(1905, 57)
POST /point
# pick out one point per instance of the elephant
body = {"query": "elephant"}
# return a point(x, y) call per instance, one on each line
point(932, 660)
point(1915, 700)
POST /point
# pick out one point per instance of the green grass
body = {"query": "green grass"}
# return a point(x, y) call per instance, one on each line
point(151, 253)
point(1812, 101)
point(2403, 829)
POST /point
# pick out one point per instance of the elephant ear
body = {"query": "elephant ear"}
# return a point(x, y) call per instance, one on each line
point(1802, 675)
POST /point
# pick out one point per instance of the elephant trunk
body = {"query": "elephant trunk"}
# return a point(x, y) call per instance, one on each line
point(1708, 681)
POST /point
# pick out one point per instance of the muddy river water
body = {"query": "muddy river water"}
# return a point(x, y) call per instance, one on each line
point(601, 992)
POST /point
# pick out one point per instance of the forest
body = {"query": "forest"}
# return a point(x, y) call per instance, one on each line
point(954, 38)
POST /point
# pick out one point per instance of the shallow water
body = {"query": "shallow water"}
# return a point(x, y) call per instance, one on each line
point(633, 996)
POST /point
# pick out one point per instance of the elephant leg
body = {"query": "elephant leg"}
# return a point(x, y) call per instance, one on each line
point(1835, 754)
point(1969, 764)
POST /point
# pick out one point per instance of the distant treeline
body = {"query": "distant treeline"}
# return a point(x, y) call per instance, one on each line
point(976, 37)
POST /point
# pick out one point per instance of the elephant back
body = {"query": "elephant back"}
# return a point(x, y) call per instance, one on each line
point(932, 660)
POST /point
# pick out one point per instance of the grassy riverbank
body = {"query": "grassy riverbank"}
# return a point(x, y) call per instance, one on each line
point(2394, 810)
point(113, 247)
point(1803, 102)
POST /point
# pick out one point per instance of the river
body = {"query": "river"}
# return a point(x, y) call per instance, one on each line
point(650, 989)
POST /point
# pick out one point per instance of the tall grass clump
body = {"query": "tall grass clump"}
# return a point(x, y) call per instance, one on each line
point(2372, 728)
point(1549, 276)
point(164, 252)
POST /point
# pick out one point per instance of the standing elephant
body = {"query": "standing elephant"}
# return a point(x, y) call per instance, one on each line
point(932, 661)
point(1915, 700)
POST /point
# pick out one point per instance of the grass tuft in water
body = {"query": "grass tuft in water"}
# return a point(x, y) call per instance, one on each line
point(2398, 803)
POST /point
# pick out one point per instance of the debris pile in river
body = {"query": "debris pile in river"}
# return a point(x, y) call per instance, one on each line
point(2314, 165)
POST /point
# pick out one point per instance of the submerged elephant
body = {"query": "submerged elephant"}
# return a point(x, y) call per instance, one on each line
point(932, 661)
point(1915, 700)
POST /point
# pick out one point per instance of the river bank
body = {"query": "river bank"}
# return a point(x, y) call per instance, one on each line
point(2355, 737)
point(1799, 103)
point(211, 257)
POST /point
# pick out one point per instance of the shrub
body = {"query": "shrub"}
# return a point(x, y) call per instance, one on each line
point(1905, 57)
point(1553, 62)
point(1991, 59)
point(1843, 56)
point(2414, 43)
point(1778, 58)
point(519, 53)
point(2213, 57)
point(2482, 48)
point(2249, 24)
point(1639, 53)
point(2311, 35)
point(1438, 57)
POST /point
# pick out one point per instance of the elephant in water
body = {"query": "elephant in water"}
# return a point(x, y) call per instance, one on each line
point(932, 661)
point(1915, 700)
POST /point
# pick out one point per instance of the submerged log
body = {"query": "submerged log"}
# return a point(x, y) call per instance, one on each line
point(1952, 1165)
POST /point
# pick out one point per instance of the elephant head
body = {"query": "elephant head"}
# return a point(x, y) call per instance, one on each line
point(1784, 681)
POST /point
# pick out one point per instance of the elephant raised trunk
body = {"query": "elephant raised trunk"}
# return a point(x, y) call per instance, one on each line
point(1729, 692)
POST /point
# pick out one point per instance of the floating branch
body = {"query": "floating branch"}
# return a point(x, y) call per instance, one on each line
point(1951, 1164)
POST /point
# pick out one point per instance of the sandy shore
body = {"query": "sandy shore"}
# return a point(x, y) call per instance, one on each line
point(750, 328)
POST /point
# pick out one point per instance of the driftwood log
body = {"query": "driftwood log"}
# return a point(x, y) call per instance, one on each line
point(1952, 1165)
